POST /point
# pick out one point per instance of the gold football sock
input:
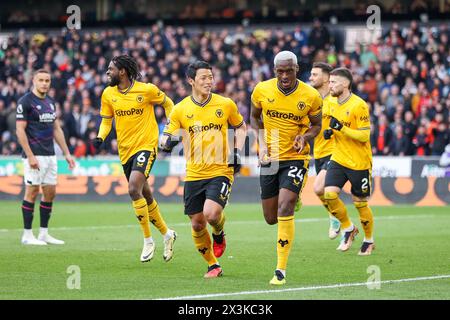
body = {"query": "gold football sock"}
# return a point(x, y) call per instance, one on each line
point(155, 217)
point(218, 227)
point(324, 202)
point(285, 239)
point(366, 218)
point(338, 209)
point(140, 209)
point(202, 242)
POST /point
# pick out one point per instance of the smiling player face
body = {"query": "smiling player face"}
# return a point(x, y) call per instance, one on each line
point(112, 74)
point(203, 82)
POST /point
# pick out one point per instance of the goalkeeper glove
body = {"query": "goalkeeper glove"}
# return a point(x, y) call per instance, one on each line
point(327, 133)
point(234, 161)
point(171, 142)
point(335, 124)
point(97, 142)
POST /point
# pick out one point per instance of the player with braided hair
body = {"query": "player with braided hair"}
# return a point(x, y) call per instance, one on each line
point(131, 103)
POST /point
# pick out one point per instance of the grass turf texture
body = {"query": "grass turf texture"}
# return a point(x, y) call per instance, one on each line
point(105, 241)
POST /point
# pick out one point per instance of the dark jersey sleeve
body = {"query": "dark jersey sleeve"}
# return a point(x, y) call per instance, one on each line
point(23, 109)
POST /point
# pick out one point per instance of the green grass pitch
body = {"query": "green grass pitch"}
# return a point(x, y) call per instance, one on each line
point(105, 241)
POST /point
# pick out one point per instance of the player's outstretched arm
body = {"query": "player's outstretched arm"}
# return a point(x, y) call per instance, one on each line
point(159, 98)
point(167, 105)
point(103, 131)
point(361, 134)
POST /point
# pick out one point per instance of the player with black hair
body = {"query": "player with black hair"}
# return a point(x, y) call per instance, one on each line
point(286, 113)
point(131, 103)
point(205, 119)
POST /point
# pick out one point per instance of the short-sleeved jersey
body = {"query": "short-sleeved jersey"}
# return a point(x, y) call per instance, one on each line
point(322, 147)
point(348, 152)
point(134, 114)
point(40, 115)
point(205, 134)
point(285, 115)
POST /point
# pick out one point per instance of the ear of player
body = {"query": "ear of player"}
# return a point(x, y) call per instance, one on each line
point(335, 124)
point(234, 160)
point(171, 143)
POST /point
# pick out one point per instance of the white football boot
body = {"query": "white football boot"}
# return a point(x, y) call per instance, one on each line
point(147, 251)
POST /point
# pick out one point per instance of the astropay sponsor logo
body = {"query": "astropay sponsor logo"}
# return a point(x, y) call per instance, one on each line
point(131, 112)
point(282, 115)
point(201, 128)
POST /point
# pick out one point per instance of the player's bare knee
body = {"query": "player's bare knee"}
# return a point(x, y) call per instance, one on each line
point(197, 225)
point(48, 198)
point(146, 192)
point(212, 215)
point(286, 207)
point(34, 194)
point(31, 198)
point(318, 190)
point(134, 192)
point(31, 194)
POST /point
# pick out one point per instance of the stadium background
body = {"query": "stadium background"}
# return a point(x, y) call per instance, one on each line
point(402, 71)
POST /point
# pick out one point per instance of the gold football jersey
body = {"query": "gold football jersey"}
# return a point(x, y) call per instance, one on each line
point(205, 134)
point(348, 152)
point(285, 115)
point(134, 114)
point(322, 147)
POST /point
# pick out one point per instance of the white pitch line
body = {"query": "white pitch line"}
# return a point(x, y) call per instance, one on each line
point(182, 224)
point(332, 286)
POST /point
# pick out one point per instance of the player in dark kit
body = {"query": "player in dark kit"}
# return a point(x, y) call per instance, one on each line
point(36, 128)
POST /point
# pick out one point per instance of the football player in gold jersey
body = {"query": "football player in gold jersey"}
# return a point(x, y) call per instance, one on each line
point(323, 148)
point(205, 119)
point(131, 103)
point(351, 159)
point(286, 113)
